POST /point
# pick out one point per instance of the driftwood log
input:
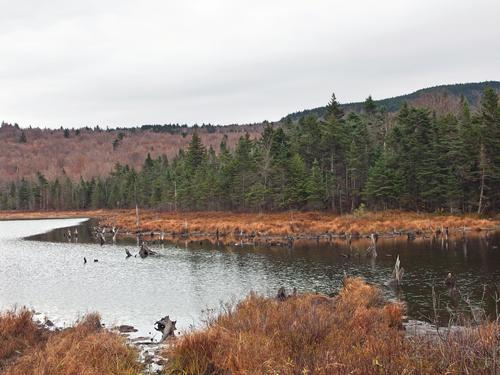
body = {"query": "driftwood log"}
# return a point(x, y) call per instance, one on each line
point(145, 251)
point(166, 327)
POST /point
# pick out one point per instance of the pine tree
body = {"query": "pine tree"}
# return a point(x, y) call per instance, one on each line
point(333, 109)
point(385, 184)
point(315, 188)
point(24, 195)
point(196, 152)
point(489, 150)
point(244, 172)
point(369, 106)
point(296, 190)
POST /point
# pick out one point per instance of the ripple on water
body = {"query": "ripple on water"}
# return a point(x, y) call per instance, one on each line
point(50, 276)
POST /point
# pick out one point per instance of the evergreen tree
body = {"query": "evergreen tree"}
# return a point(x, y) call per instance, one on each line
point(489, 150)
point(333, 109)
point(315, 188)
point(24, 195)
point(369, 106)
point(196, 152)
point(385, 185)
point(417, 160)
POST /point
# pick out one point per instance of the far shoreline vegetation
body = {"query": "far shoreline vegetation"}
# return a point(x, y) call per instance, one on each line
point(268, 228)
point(412, 160)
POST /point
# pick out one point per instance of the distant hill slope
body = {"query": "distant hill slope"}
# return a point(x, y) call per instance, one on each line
point(440, 98)
point(93, 152)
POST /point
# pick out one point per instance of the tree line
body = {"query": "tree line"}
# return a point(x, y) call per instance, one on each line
point(342, 162)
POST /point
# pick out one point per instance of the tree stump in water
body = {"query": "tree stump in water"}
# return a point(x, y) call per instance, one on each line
point(166, 327)
point(281, 296)
point(145, 251)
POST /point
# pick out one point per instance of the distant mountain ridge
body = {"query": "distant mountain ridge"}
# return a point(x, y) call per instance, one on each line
point(436, 97)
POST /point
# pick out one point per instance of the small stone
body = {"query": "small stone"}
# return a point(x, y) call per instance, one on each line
point(126, 328)
point(141, 338)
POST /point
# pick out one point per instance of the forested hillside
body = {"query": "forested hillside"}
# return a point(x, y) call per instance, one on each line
point(415, 159)
point(93, 152)
point(441, 99)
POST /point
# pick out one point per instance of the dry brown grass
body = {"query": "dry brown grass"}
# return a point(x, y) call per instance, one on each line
point(27, 215)
point(85, 349)
point(18, 332)
point(272, 224)
point(354, 333)
point(290, 223)
point(469, 351)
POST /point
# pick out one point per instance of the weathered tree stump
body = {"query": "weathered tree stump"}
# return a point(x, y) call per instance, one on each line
point(145, 251)
point(281, 296)
point(166, 327)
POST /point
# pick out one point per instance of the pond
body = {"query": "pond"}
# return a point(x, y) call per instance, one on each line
point(47, 273)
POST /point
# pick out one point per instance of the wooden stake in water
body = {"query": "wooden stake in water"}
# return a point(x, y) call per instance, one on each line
point(398, 272)
point(137, 216)
point(137, 224)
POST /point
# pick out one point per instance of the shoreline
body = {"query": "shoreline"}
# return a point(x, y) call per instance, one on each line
point(147, 356)
point(268, 229)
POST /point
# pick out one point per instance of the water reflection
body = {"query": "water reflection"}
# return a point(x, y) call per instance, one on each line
point(49, 274)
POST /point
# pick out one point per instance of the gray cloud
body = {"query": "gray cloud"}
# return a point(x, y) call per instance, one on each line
point(124, 62)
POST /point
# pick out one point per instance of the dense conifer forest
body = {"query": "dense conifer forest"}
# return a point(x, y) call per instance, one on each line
point(442, 99)
point(414, 159)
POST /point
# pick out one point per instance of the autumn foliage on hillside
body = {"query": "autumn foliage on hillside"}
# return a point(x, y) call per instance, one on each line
point(93, 153)
point(355, 332)
point(345, 162)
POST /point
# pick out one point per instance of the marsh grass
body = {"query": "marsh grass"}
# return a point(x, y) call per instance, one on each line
point(18, 332)
point(272, 223)
point(356, 332)
point(85, 349)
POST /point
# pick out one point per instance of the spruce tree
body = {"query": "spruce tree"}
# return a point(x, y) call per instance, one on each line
point(333, 109)
point(369, 106)
point(195, 152)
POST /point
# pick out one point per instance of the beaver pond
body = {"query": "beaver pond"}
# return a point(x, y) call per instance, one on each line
point(42, 268)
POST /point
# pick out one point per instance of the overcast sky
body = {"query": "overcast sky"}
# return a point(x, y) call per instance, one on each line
point(126, 63)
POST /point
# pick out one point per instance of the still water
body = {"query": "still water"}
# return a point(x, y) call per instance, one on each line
point(46, 272)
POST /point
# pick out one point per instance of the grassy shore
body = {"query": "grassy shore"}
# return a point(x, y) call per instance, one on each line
point(28, 348)
point(231, 226)
point(353, 333)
